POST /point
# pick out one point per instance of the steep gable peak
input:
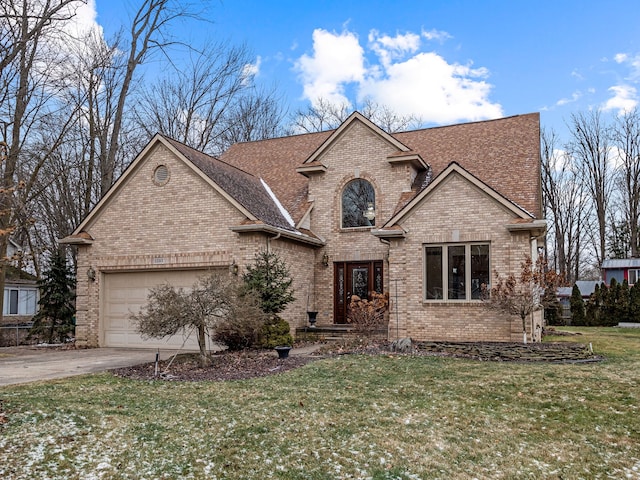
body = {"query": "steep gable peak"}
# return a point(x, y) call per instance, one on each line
point(356, 117)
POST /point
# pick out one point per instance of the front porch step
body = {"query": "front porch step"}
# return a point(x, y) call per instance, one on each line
point(329, 333)
point(332, 333)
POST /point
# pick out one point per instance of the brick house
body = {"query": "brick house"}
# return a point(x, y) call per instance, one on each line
point(427, 216)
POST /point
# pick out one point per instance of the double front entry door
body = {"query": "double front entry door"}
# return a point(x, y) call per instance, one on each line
point(354, 278)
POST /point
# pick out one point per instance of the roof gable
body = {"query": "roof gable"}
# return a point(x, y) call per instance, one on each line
point(244, 191)
point(248, 191)
point(452, 169)
point(354, 117)
point(503, 153)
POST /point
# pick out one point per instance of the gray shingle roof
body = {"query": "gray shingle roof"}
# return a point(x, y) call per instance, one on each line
point(243, 187)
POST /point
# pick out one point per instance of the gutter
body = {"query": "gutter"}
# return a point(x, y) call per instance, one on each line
point(291, 235)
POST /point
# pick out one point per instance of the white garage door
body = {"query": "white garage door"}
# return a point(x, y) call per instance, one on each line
point(126, 293)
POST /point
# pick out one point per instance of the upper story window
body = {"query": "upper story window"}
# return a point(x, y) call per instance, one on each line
point(358, 196)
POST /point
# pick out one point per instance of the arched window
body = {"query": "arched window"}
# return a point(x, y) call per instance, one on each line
point(358, 198)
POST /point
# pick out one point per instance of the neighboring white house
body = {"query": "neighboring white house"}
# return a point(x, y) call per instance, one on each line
point(21, 295)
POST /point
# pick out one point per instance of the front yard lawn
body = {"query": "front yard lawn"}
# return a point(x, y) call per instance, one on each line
point(351, 416)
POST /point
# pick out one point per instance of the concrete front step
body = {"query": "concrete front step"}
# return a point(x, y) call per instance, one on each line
point(333, 333)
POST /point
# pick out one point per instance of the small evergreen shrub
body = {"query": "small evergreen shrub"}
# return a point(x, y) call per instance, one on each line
point(275, 332)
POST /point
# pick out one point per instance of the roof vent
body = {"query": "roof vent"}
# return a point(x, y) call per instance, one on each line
point(161, 175)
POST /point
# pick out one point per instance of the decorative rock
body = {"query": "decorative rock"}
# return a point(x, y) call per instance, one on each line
point(402, 345)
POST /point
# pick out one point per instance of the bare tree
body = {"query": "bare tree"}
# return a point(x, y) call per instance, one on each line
point(591, 148)
point(524, 293)
point(563, 192)
point(23, 23)
point(626, 137)
point(148, 33)
point(324, 115)
point(258, 114)
point(199, 104)
point(28, 82)
point(212, 300)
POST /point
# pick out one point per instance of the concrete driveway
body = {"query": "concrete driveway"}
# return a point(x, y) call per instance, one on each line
point(31, 364)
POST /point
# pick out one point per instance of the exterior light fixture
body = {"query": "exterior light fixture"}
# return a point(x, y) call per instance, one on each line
point(325, 260)
point(370, 212)
point(91, 274)
point(233, 268)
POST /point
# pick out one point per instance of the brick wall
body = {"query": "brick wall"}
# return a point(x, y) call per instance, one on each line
point(181, 225)
point(358, 153)
point(455, 212)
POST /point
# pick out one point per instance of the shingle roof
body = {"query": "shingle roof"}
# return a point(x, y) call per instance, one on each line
point(503, 153)
point(243, 187)
point(275, 160)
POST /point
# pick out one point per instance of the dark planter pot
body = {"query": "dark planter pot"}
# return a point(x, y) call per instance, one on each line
point(312, 318)
point(283, 351)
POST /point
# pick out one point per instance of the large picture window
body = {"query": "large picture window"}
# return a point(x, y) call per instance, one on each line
point(456, 272)
point(358, 195)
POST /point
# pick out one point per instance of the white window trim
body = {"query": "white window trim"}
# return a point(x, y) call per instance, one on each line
point(7, 300)
point(445, 269)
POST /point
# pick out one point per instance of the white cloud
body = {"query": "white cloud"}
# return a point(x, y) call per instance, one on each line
point(337, 59)
point(436, 91)
point(84, 20)
point(575, 96)
point(625, 98)
point(397, 74)
point(620, 57)
point(389, 48)
point(436, 35)
point(251, 70)
point(633, 62)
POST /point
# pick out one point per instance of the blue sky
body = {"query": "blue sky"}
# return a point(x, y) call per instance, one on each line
point(445, 61)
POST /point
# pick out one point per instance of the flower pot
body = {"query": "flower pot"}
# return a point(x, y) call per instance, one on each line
point(283, 351)
point(312, 318)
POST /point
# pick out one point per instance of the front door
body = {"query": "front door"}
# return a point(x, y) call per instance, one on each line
point(354, 278)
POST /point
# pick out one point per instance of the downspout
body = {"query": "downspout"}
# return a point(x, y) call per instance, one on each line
point(388, 244)
point(269, 241)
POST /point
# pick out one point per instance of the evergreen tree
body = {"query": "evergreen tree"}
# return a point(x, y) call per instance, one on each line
point(576, 303)
point(593, 307)
point(622, 306)
point(609, 310)
point(269, 277)
point(552, 309)
point(54, 320)
point(634, 303)
point(270, 280)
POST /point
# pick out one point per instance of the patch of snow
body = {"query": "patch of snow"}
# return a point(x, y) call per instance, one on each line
point(283, 211)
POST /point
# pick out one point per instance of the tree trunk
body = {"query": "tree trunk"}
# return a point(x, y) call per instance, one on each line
point(202, 343)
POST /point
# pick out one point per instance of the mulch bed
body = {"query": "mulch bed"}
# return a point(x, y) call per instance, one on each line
point(224, 366)
point(260, 363)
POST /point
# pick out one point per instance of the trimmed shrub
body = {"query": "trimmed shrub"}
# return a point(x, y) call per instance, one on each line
point(275, 332)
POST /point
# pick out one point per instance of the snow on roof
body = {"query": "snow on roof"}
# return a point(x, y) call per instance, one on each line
point(283, 211)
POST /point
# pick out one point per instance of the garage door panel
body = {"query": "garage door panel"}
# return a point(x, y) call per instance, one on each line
point(126, 293)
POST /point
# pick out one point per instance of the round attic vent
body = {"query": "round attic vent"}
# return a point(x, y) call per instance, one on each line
point(161, 175)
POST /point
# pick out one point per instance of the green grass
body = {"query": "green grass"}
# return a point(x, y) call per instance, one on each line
point(383, 417)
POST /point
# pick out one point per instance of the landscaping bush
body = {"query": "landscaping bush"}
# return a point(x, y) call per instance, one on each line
point(367, 316)
point(275, 332)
